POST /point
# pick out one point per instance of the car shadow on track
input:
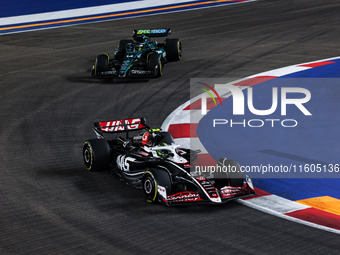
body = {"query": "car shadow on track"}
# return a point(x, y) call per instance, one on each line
point(111, 81)
point(105, 192)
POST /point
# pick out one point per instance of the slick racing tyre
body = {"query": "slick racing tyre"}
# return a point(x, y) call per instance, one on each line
point(96, 154)
point(149, 186)
point(155, 64)
point(173, 48)
point(101, 64)
point(153, 179)
point(230, 174)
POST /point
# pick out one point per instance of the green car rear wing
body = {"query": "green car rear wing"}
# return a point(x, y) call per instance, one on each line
point(160, 32)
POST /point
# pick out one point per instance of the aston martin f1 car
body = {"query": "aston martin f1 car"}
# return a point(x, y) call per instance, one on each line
point(140, 57)
point(150, 160)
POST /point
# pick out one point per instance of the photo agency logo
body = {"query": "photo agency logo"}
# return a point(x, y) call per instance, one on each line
point(294, 98)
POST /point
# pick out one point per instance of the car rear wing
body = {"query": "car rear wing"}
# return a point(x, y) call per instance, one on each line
point(161, 32)
point(124, 125)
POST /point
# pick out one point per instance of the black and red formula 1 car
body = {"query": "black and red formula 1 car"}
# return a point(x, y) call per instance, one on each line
point(150, 160)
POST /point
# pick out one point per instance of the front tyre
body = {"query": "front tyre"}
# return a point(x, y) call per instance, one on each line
point(149, 186)
point(173, 48)
point(96, 154)
point(155, 64)
point(231, 174)
point(101, 64)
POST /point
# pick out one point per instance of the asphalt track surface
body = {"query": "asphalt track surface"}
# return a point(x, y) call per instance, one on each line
point(51, 205)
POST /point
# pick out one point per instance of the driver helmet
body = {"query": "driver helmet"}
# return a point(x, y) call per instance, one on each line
point(163, 153)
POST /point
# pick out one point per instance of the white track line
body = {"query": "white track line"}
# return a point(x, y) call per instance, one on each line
point(88, 11)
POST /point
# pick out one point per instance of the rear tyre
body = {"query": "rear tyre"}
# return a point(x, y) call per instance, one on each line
point(231, 174)
point(96, 154)
point(122, 44)
point(155, 64)
point(101, 64)
point(120, 53)
point(173, 48)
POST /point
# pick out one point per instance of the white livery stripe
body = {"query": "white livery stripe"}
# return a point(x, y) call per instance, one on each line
point(191, 143)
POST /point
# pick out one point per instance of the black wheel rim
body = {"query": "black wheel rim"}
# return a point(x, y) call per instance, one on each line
point(148, 186)
point(87, 157)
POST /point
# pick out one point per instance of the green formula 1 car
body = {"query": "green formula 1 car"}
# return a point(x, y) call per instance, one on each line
point(139, 57)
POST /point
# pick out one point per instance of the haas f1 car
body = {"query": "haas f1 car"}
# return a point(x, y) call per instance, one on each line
point(140, 57)
point(150, 160)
